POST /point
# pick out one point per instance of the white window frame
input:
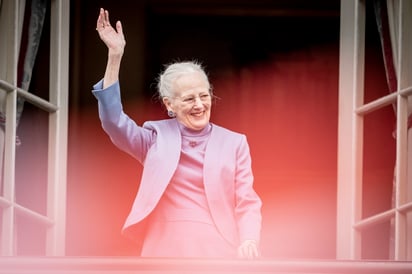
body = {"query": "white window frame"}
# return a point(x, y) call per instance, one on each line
point(57, 107)
point(352, 111)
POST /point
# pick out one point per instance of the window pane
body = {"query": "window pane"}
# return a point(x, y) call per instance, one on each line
point(30, 236)
point(32, 160)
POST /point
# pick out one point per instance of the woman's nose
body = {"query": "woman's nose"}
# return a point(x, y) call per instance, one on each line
point(198, 101)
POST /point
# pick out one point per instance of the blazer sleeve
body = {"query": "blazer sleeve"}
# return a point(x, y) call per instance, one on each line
point(122, 130)
point(248, 204)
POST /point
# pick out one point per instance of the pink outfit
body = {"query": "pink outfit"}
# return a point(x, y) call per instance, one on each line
point(181, 223)
point(196, 190)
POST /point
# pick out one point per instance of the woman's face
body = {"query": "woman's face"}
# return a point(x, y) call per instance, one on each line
point(192, 101)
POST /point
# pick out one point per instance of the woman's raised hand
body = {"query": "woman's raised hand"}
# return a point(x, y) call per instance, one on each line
point(113, 38)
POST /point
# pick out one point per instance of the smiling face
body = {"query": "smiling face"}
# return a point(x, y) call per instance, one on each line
point(192, 100)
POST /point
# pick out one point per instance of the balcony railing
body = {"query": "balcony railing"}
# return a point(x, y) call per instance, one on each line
point(123, 265)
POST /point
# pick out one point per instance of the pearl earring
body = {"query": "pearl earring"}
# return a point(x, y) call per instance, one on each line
point(171, 114)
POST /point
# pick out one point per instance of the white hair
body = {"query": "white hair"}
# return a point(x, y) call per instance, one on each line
point(174, 71)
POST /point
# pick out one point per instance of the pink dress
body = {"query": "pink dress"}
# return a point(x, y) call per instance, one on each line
point(181, 224)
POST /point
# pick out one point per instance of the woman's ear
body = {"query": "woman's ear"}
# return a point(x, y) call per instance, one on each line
point(167, 102)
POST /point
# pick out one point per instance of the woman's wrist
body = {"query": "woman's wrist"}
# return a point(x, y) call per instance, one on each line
point(115, 54)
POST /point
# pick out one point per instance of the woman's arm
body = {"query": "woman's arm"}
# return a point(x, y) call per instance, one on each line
point(115, 42)
point(123, 131)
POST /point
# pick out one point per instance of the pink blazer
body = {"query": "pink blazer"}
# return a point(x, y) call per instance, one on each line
point(228, 179)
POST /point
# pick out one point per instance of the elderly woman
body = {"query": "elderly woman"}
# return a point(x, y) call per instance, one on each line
point(196, 195)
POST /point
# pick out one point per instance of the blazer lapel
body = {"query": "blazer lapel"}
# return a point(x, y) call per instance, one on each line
point(219, 208)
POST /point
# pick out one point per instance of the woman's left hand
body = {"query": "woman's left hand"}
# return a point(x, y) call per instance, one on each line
point(113, 38)
point(248, 250)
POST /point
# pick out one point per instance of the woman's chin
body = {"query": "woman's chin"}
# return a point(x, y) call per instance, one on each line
point(198, 124)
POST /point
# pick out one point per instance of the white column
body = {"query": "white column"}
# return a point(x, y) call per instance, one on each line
point(58, 126)
point(350, 128)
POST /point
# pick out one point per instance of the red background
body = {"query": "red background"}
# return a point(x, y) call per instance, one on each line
point(277, 79)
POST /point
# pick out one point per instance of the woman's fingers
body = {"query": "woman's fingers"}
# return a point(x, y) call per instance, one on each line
point(103, 20)
point(106, 21)
point(100, 20)
point(248, 250)
point(113, 38)
point(119, 28)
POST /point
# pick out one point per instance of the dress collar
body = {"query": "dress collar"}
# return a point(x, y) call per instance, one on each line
point(185, 131)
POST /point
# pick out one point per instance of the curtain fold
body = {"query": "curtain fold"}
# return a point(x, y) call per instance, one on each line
point(30, 25)
point(31, 37)
point(5, 70)
point(387, 37)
